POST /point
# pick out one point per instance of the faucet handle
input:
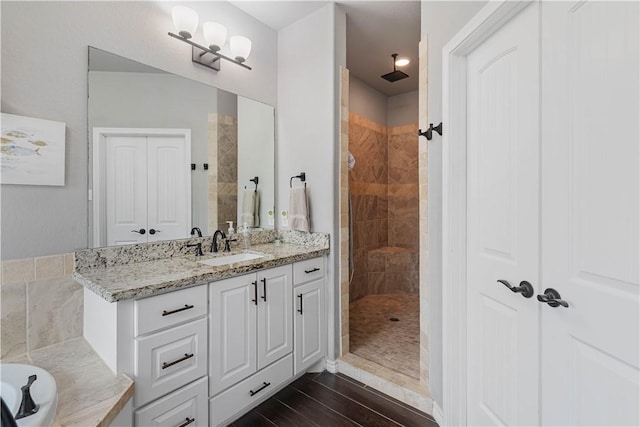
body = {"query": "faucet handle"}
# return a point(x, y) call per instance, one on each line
point(227, 246)
point(27, 406)
point(198, 247)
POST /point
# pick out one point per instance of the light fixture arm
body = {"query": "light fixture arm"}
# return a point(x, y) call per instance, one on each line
point(207, 50)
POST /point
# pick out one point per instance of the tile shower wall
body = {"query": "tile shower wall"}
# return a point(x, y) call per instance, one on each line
point(384, 200)
point(40, 303)
point(223, 170)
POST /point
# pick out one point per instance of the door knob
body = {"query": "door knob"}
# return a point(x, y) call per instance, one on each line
point(552, 297)
point(152, 231)
point(141, 231)
point(524, 288)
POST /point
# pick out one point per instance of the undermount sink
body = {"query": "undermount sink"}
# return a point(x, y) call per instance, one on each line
point(43, 392)
point(231, 259)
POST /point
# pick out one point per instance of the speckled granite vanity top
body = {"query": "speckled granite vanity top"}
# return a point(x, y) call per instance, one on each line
point(136, 271)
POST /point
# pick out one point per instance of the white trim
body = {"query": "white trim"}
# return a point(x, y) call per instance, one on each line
point(438, 414)
point(332, 366)
point(97, 174)
point(454, 203)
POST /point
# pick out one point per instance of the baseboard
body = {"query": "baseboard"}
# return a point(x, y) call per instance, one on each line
point(438, 414)
point(332, 366)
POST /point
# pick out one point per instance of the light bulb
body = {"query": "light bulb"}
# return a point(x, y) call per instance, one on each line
point(240, 47)
point(215, 35)
point(401, 62)
point(185, 21)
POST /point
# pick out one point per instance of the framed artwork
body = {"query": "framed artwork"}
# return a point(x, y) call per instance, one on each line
point(31, 151)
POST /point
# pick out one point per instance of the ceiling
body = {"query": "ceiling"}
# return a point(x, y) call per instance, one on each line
point(375, 30)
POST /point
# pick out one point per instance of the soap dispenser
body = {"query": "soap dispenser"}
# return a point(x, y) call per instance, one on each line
point(231, 230)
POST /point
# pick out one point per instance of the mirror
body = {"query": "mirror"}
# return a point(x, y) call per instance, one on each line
point(168, 153)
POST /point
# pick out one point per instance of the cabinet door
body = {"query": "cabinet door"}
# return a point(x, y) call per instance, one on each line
point(274, 315)
point(232, 325)
point(309, 324)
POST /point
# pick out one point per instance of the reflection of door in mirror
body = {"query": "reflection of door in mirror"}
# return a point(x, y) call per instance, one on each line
point(141, 185)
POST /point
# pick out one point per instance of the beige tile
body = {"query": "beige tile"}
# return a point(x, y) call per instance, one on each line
point(54, 311)
point(49, 266)
point(68, 263)
point(13, 332)
point(17, 271)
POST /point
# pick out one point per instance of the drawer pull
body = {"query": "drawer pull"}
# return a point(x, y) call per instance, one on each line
point(300, 309)
point(262, 387)
point(312, 270)
point(186, 307)
point(165, 365)
point(264, 289)
point(187, 421)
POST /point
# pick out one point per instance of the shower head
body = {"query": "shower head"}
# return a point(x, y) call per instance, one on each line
point(395, 75)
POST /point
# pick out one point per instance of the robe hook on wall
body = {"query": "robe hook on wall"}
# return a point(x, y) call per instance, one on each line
point(429, 132)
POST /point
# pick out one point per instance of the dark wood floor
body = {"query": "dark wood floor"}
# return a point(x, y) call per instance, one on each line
point(332, 400)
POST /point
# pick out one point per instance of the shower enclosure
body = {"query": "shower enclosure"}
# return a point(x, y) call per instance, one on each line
point(384, 280)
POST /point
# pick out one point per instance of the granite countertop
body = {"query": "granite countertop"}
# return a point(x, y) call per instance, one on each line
point(89, 394)
point(147, 278)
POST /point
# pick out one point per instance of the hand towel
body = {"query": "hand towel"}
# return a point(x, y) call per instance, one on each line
point(248, 212)
point(298, 209)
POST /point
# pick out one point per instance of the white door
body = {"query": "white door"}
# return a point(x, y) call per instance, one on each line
point(590, 149)
point(126, 189)
point(309, 317)
point(502, 200)
point(141, 185)
point(168, 188)
point(232, 328)
point(275, 331)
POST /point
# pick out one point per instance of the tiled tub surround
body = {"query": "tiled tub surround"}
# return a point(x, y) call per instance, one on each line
point(385, 206)
point(136, 271)
point(41, 324)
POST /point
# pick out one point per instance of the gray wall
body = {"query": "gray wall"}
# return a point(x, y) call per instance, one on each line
point(367, 102)
point(441, 20)
point(44, 75)
point(389, 111)
point(310, 53)
point(402, 109)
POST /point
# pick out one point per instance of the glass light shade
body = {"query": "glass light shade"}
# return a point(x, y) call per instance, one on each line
point(215, 35)
point(240, 47)
point(185, 21)
point(401, 62)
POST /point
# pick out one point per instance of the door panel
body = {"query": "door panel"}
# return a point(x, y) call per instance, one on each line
point(275, 331)
point(126, 192)
point(232, 343)
point(590, 254)
point(168, 178)
point(309, 319)
point(502, 203)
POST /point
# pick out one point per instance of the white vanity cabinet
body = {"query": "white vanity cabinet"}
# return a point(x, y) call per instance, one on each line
point(250, 327)
point(309, 324)
point(204, 355)
point(161, 343)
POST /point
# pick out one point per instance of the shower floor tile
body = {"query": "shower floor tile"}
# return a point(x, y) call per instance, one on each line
point(393, 344)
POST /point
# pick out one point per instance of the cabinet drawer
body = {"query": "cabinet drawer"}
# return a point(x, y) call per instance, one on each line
point(310, 269)
point(184, 407)
point(254, 388)
point(170, 359)
point(163, 311)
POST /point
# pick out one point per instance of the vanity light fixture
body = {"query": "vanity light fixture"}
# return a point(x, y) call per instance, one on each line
point(185, 21)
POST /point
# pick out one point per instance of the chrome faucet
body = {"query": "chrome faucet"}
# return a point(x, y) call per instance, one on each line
point(214, 241)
